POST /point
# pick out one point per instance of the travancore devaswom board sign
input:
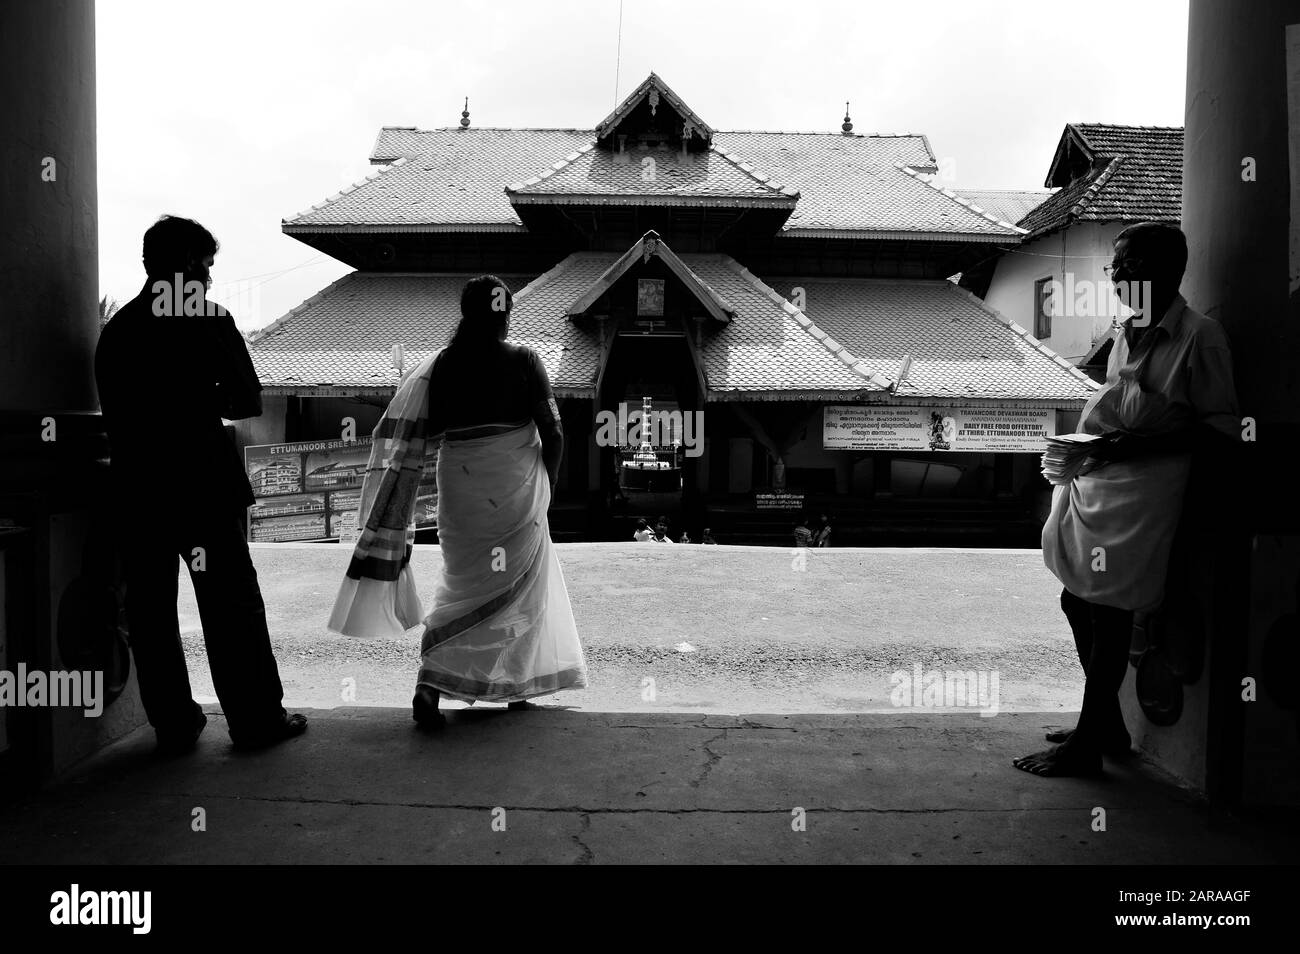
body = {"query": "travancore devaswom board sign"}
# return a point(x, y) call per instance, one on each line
point(974, 429)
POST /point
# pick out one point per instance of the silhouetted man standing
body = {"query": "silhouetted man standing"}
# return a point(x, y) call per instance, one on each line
point(170, 365)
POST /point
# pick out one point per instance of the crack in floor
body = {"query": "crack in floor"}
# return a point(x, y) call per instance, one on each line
point(713, 759)
point(588, 856)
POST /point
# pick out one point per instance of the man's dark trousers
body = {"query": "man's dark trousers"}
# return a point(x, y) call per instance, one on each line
point(1102, 636)
point(244, 671)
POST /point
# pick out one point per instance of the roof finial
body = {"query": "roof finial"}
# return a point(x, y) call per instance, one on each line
point(464, 115)
point(847, 126)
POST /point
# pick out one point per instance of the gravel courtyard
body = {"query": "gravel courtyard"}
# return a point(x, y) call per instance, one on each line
point(724, 629)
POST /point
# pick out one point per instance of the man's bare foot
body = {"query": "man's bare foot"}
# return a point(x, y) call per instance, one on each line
point(1058, 762)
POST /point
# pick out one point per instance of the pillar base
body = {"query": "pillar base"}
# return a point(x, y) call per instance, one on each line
point(61, 592)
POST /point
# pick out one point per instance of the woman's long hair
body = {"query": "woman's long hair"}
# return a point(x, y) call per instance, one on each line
point(485, 304)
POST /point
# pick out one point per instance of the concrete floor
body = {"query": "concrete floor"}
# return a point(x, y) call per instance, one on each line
point(363, 785)
point(603, 775)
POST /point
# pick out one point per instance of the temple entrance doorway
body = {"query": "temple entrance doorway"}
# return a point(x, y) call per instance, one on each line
point(649, 392)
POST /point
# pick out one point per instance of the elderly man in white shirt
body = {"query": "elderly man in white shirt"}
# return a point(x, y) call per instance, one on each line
point(1168, 392)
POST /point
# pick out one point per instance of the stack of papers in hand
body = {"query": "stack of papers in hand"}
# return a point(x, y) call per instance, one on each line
point(1065, 456)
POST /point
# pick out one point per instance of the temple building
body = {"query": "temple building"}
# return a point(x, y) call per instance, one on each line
point(784, 298)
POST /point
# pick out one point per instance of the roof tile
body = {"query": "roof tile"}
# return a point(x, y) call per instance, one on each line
point(1008, 205)
point(959, 346)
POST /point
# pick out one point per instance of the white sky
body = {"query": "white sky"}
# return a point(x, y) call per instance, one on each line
point(242, 113)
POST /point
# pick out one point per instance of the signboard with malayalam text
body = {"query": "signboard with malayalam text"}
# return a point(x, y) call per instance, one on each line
point(778, 501)
point(971, 429)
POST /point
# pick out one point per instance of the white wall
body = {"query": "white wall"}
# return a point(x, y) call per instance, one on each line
point(1082, 249)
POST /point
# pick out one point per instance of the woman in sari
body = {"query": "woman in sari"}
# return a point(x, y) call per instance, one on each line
point(501, 628)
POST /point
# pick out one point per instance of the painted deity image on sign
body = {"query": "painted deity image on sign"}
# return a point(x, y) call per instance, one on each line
point(649, 297)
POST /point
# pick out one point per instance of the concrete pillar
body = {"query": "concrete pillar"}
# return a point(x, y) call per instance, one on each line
point(51, 440)
point(1241, 233)
point(49, 287)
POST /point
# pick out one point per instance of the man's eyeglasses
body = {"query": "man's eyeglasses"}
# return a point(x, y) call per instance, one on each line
point(1129, 265)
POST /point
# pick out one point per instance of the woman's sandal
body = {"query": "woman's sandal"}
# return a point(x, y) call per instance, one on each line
point(424, 708)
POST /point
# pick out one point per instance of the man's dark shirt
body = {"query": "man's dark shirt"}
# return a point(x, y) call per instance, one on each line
point(165, 383)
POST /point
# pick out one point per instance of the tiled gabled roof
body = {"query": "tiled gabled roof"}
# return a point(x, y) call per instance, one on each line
point(1162, 144)
point(343, 336)
point(765, 349)
point(846, 343)
point(960, 347)
point(454, 179)
point(850, 185)
point(1133, 174)
point(598, 176)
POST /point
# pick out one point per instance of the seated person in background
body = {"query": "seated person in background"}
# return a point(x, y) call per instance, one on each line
point(686, 537)
point(661, 531)
point(822, 536)
point(643, 533)
point(802, 535)
point(708, 537)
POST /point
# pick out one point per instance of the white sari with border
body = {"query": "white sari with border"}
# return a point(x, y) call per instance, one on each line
point(502, 627)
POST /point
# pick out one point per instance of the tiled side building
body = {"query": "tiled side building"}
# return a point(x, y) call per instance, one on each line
point(1107, 177)
point(795, 273)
